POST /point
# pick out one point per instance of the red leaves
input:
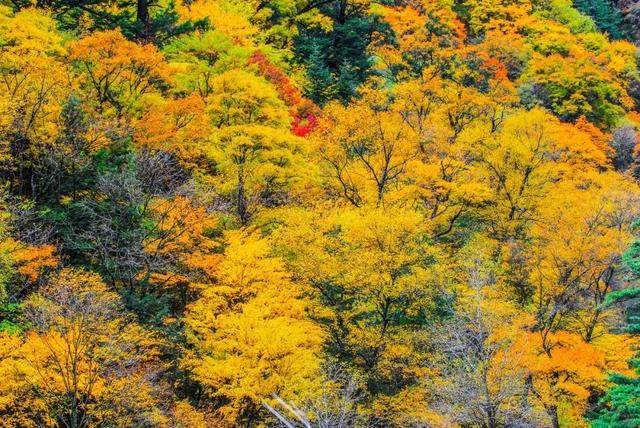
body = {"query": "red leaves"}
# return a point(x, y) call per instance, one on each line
point(303, 124)
point(302, 110)
point(289, 93)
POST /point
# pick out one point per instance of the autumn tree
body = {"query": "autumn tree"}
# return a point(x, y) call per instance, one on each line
point(248, 335)
point(258, 159)
point(365, 160)
point(33, 83)
point(80, 357)
point(116, 72)
point(374, 280)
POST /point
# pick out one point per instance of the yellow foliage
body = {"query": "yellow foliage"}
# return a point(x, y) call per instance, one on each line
point(79, 359)
point(250, 333)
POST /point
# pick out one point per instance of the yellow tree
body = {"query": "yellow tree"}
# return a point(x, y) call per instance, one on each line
point(503, 15)
point(441, 179)
point(249, 336)
point(374, 278)
point(83, 363)
point(33, 80)
point(585, 228)
point(365, 148)
point(259, 161)
point(522, 160)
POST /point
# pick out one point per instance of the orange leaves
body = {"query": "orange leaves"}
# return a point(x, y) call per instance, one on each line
point(32, 261)
point(117, 72)
point(179, 119)
point(109, 51)
point(597, 138)
point(29, 261)
point(180, 225)
point(427, 35)
point(567, 352)
point(177, 126)
point(181, 233)
point(565, 375)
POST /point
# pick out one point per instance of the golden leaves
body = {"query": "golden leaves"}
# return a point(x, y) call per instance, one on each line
point(251, 334)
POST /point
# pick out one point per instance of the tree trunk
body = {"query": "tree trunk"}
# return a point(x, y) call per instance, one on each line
point(553, 413)
point(241, 202)
point(144, 20)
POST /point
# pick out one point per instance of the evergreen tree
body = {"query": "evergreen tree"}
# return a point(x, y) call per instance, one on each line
point(621, 404)
point(142, 20)
point(607, 17)
point(340, 52)
point(321, 82)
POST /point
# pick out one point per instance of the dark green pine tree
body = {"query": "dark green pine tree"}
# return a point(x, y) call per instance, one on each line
point(348, 81)
point(340, 53)
point(143, 20)
point(322, 84)
point(620, 406)
point(606, 15)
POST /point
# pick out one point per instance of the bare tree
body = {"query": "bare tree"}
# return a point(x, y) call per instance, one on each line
point(485, 384)
point(334, 407)
point(624, 142)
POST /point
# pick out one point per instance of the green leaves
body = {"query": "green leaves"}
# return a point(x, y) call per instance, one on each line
point(606, 15)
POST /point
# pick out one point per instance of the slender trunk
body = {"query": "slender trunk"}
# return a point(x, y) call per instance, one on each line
point(241, 207)
point(143, 20)
point(553, 413)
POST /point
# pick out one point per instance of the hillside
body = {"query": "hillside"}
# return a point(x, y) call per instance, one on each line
point(319, 213)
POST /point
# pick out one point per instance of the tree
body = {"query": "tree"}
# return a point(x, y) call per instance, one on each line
point(480, 353)
point(365, 160)
point(117, 73)
point(373, 277)
point(529, 153)
point(575, 273)
point(427, 35)
point(141, 19)
point(259, 160)
point(199, 58)
point(606, 15)
point(619, 406)
point(33, 83)
point(80, 357)
point(248, 335)
point(336, 54)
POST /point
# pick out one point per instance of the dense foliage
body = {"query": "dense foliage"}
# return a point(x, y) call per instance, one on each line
point(331, 213)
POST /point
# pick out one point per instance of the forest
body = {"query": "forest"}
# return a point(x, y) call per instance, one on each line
point(319, 213)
